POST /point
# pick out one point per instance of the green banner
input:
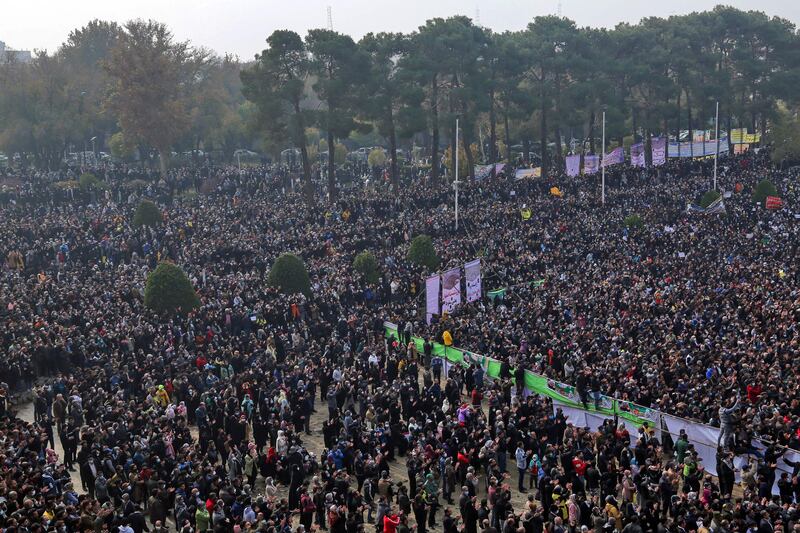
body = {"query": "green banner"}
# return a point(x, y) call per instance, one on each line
point(541, 385)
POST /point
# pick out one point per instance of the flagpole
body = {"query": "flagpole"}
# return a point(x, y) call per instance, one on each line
point(716, 152)
point(602, 161)
point(456, 182)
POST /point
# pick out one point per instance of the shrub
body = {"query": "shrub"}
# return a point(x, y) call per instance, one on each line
point(376, 158)
point(763, 189)
point(147, 214)
point(421, 252)
point(168, 290)
point(121, 147)
point(88, 181)
point(709, 198)
point(634, 222)
point(366, 264)
point(289, 274)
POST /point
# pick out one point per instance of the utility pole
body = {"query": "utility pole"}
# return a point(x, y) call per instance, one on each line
point(330, 19)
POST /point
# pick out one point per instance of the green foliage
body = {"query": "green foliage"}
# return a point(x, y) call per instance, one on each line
point(289, 274)
point(366, 264)
point(276, 84)
point(763, 189)
point(147, 214)
point(785, 137)
point(709, 198)
point(376, 158)
point(88, 181)
point(634, 221)
point(152, 81)
point(421, 252)
point(340, 154)
point(168, 290)
point(121, 147)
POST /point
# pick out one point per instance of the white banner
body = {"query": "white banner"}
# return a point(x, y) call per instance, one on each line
point(451, 289)
point(472, 272)
point(432, 297)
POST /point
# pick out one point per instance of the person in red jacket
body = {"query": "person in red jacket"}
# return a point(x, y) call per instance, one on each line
point(476, 398)
point(390, 522)
point(753, 392)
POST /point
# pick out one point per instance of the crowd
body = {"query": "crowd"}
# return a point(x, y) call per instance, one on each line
point(208, 421)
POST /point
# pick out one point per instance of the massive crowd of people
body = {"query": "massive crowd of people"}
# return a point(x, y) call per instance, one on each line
point(210, 420)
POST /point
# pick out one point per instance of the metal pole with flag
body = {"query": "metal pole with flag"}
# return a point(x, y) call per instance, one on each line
point(456, 182)
point(603, 163)
point(716, 152)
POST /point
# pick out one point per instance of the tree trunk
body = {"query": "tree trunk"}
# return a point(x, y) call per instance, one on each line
point(331, 168)
point(507, 133)
point(557, 120)
point(300, 140)
point(666, 135)
point(467, 141)
point(730, 141)
point(526, 148)
point(591, 130)
point(492, 132)
point(393, 152)
point(678, 125)
point(435, 129)
point(545, 159)
point(689, 119)
point(163, 160)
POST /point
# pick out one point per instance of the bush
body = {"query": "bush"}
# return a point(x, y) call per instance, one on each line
point(763, 189)
point(709, 198)
point(634, 222)
point(289, 274)
point(168, 290)
point(88, 181)
point(376, 158)
point(366, 264)
point(121, 147)
point(421, 252)
point(147, 214)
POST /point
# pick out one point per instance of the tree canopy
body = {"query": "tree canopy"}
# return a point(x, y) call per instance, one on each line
point(539, 93)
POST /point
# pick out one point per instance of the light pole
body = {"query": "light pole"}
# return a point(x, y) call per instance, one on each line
point(716, 151)
point(94, 151)
point(603, 163)
point(456, 182)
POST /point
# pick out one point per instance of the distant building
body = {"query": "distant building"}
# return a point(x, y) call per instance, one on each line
point(16, 56)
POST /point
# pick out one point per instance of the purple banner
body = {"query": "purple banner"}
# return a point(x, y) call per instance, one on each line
point(573, 165)
point(637, 155)
point(590, 164)
point(451, 289)
point(658, 147)
point(432, 296)
point(472, 272)
point(615, 157)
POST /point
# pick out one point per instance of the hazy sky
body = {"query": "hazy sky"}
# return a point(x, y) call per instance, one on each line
point(241, 26)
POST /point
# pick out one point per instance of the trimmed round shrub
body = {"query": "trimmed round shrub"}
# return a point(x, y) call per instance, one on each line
point(88, 181)
point(709, 198)
point(763, 189)
point(366, 264)
point(634, 222)
point(289, 275)
point(147, 214)
point(421, 252)
point(168, 290)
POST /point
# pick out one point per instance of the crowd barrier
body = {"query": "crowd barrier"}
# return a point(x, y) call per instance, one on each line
point(565, 397)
